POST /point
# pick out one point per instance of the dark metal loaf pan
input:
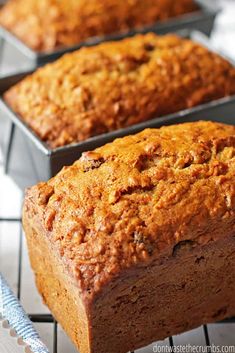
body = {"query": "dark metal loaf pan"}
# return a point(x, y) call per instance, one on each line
point(201, 20)
point(28, 160)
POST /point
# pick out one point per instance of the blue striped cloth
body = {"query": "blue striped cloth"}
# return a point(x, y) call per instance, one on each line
point(11, 310)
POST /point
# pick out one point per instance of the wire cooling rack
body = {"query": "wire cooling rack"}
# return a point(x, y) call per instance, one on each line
point(15, 266)
point(14, 263)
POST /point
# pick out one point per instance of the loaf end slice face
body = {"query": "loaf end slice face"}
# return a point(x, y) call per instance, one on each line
point(136, 240)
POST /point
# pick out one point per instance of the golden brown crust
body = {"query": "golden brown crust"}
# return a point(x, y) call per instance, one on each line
point(48, 24)
point(133, 201)
point(114, 85)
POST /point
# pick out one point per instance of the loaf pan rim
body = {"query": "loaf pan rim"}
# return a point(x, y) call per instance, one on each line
point(206, 10)
point(129, 130)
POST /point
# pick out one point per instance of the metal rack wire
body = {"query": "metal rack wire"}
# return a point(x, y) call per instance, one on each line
point(36, 318)
point(47, 318)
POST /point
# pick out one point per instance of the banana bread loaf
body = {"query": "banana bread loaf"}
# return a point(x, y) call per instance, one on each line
point(48, 24)
point(136, 240)
point(115, 85)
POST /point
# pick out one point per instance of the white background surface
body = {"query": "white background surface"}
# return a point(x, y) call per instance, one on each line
point(223, 37)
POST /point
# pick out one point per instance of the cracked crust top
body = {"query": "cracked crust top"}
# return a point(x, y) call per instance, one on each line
point(49, 24)
point(118, 84)
point(135, 200)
